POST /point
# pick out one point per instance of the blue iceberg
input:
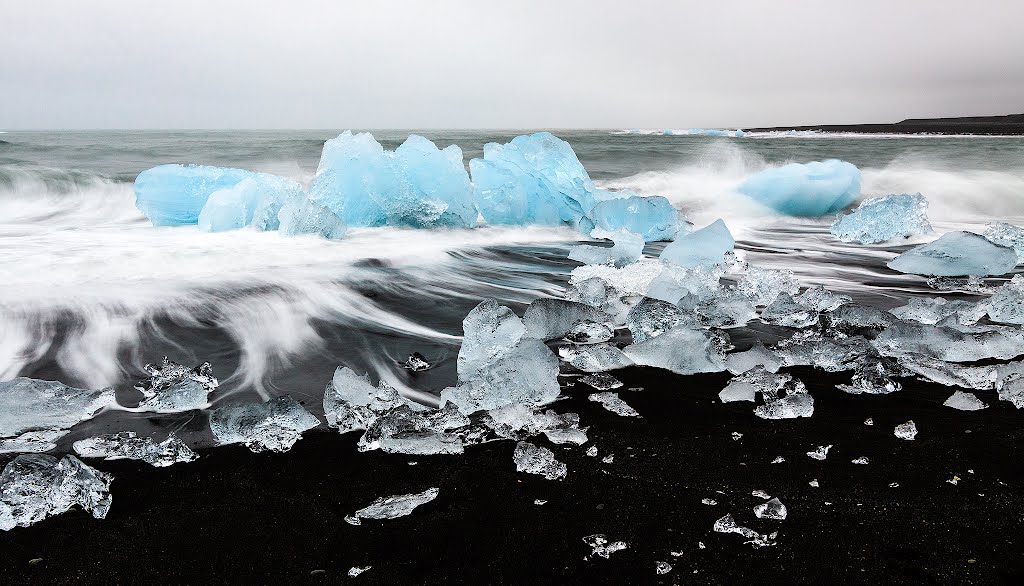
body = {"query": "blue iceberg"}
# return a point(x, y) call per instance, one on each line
point(415, 185)
point(883, 218)
point(810, 189)
point(956, 254)
point(254, 201)
point(173, 195)
point(705, 247)
point(533, 179)
point(652, 217)
point(714, 132)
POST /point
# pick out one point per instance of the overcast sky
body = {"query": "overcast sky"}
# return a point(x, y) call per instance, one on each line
point(503, 64)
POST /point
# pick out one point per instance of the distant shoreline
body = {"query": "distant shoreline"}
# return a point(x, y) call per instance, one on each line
point(1003, 125)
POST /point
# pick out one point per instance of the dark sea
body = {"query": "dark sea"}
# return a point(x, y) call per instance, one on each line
point(90, 291)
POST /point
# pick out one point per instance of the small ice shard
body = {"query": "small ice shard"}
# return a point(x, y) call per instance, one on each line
point(173, 195)
point(758, 355)
point(274, 425)
point(395, 506)
point(589, 332)
point(964, 401)
point(532, 179)
point(683, 350)
point(626, 248)
point(653, 218)
point(356, 570)
point(608, 459)
point(661, 568)
point(594, 357)
point(784, 398)
point(705, 247)
point(760, 494)
point(416, 185)
point(404, 430)
point(540, 502)
point(746, 386)
point(36, 486)
point(956, 254)
point(773, 509)
point(871, 376)
point(416, 363)
point(820, 453)
point(709, 502)
point(784, 311)
point(601, 381)
point(862, 460)
point(950, 341)
point(549, 319)
point(599, 543)
point(778, 460)
point(592, 451)
point(814, 483)
point(971, 284)
point(538, 460)
point(932, 310)
point(676, 554)
point(729, 309)
point(869, 421)
point(820, 299)
point(613, 403)
point(736, 436)
point(300, 215)
point(906, 431)
point(880, 219)
point(28, 404)
point(728, 525)
point(1005, 234)
point(811, 189)
point(1007, 302)
point(520, 422)
point(762, 285)
point(33, 441)
point(351, 402)
point(128, 445)
point(498, 365)
point(254, 201)
point(954, 480)
point(172, 388)
point(652, 317)
point(1010, 383)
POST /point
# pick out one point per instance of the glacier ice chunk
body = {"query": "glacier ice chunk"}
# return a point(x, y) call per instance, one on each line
point(172, 388)
point(404, 430)
point(762, 285)
point(299, 215)
point(595, 357)
point(683, 350)
point(956, 254)
point(950, 342)
point(392, 507)
point(1006, 305)
point(128, 445)
point(34, 442)
point(785, 311)
point(600, 545)
point(254, 201)
point(964, 401)
point(274, 425)
point(601, 381)
point(28, 404)
point(36, 486)
point(532, 179)
point(651, 318)
point(906, 431)
point(1010, 383)
point(351, 402)
point(932, 310)
point(548, 319)
point(653, 218)
point(787, 400)
point(705, 247)
point(174, 195)
point(880, 219)
point(1007, 235)
point(773, 509)
point(758, 355)
point(805, 189)
point(520, 422)
point(728, 525)
point(613, 403)
point(416, 185)
point(538, 460)
point(590, 332)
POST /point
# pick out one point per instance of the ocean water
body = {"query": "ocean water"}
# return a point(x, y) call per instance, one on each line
point(90, 291)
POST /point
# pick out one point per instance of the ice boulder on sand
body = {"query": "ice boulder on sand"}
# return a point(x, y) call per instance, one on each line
point(956, 254)
point(173, 195)
point(705, 247)
point(652, 217)
point(805, 189)
point(254, 201)
point(415, 185)
point(34, 487)
point(29, 405)
point(884, 218)
point(274, 425)
point(533, 179)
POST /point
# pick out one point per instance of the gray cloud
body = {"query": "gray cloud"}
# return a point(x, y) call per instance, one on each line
point(454, 64)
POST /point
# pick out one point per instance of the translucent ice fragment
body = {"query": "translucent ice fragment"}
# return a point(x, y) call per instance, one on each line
point(1007, 302)
point(28, 404)
point(34, 442)
point(964, 401)
point(274, 425)
point(172, 388)
point(589, 332)
point(705, 247)
point(301, 215)
point(520, 422)
point(173, 195)
point(758, 355)
point(601, 381)
point(756, 380)
point(538, 460)
point(613, 403)
point(416, 363)
point(762, 285)
point(871, 376)
point(1010, 383)
point(833, 354)
point(626, 248)
point(787, 398)
point(879, 219)
point(653, 218)
point(729, 309)
point(773, 509)
point(351, 402)
point(403, 430)
point(906, 431)
point(356, 570)
point(491, 330)
point(862, 461)
point(950, 374)
point(652, 317)
point(820, 453)
point(728, 525)
point(399, 505)
point(600, 545)
point(784, 311)
point(661, 568)
point(548, 319)
point(818, 298)
point(811, 189)
point(36, 486)
point(931, 310)
point(128, 445)
point(683, 350)
point(1007, 235)
point(956, 254)
point(594, 357)
point(950, 342)
point(254, 201)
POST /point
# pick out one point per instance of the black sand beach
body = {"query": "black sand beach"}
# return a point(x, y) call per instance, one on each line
point(989, 125)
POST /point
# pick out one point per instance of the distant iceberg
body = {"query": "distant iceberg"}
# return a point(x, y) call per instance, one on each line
point(715, 132)
point(805, 189)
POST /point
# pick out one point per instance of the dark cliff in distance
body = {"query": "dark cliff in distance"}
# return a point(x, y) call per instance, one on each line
point(1010, 124)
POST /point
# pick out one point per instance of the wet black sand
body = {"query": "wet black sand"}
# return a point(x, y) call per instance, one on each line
point(237, 517)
